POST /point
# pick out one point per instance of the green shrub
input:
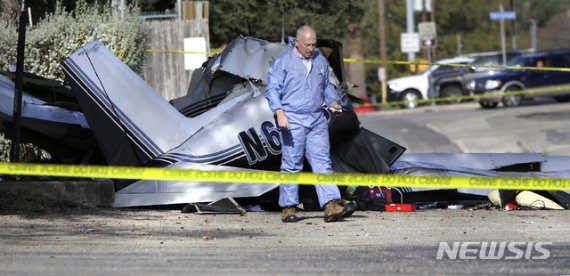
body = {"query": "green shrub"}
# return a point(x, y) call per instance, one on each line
point(58, 34)
point(4, 148)
point(28, 152)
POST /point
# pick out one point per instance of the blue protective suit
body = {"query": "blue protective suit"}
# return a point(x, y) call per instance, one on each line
point(302, 96)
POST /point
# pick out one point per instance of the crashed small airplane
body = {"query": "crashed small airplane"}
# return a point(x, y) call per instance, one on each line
point(229, 123)
point(224, 123)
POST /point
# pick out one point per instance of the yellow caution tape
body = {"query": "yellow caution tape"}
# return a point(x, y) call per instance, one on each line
point(491, 94)
point(487, 95)
point(399, 62)
point(396, 62)
point(180, 52)
point(267, 177)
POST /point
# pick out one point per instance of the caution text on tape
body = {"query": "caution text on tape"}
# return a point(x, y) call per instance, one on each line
point(402, 62)
point(268, 177)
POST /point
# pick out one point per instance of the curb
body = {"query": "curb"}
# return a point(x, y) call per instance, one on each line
point(95, 193)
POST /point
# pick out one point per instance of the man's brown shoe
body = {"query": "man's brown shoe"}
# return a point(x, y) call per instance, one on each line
point(338, 209)
point(288, 214)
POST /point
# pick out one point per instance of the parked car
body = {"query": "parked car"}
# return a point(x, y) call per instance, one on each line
point(410, 89)
point(451, 82)
point(504, 80)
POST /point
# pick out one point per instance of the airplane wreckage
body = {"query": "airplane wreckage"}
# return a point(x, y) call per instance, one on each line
point(224, 123)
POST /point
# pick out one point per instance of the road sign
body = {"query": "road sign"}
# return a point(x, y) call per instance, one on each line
point(422, 5)
point(382, 75)
point(194, 44)
point(498, 15)
point(426, 30)
point(410, 42)
point(428, 42)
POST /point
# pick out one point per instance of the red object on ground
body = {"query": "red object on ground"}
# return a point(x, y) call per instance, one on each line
point(400, 207)
point(365, 107)
point(511, 206)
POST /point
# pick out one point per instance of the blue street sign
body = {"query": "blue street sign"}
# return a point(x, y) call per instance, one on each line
point(503, 15)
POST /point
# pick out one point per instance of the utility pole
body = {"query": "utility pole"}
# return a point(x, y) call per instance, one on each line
point(382, 43)
point(427, 52)
point(432, 18)
point(382, 28)
point(513, 26)
point(503, 39)
point(410, 24)
point(179, 9)
point(533, 43)
point(459, 44)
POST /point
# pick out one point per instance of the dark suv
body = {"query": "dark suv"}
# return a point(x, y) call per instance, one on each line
point(450, 82)
point(504, 80)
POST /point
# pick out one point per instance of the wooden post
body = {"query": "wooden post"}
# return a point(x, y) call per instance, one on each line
point(17, 107)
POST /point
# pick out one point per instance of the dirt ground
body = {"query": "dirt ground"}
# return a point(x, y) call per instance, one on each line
point(70, 240)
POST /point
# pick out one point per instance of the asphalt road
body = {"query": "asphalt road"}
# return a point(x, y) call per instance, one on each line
point(540, 126)
point(135, 242)
point(73, 241)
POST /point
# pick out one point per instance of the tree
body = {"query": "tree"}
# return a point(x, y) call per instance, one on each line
point(262, 18)
point(9, 10)
point(555, 33)
point(470, 18)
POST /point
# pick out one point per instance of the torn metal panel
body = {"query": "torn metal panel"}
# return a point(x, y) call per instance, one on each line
point(38, 116)
point(246, 59)
point(131, 121)
point(364, 152)
point(484, 161)
point(256, 144)
point(479, 164)
point(50, 118)
point(203, 95)
point(33, 107)
point(223, 206)
point(239, 131)
point(135, 126)
point(250, 58)
point(154, 192)
point(555, 163)
point(243, 136)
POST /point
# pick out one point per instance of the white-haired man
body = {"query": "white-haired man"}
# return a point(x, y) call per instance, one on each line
point(298, 86)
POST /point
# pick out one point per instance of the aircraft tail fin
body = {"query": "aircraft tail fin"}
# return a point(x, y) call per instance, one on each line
point(131, 121)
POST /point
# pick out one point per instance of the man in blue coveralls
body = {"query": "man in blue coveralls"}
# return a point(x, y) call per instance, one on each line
point(298, 86)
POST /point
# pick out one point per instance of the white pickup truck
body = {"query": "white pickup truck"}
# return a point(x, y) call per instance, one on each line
point(410, 89)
